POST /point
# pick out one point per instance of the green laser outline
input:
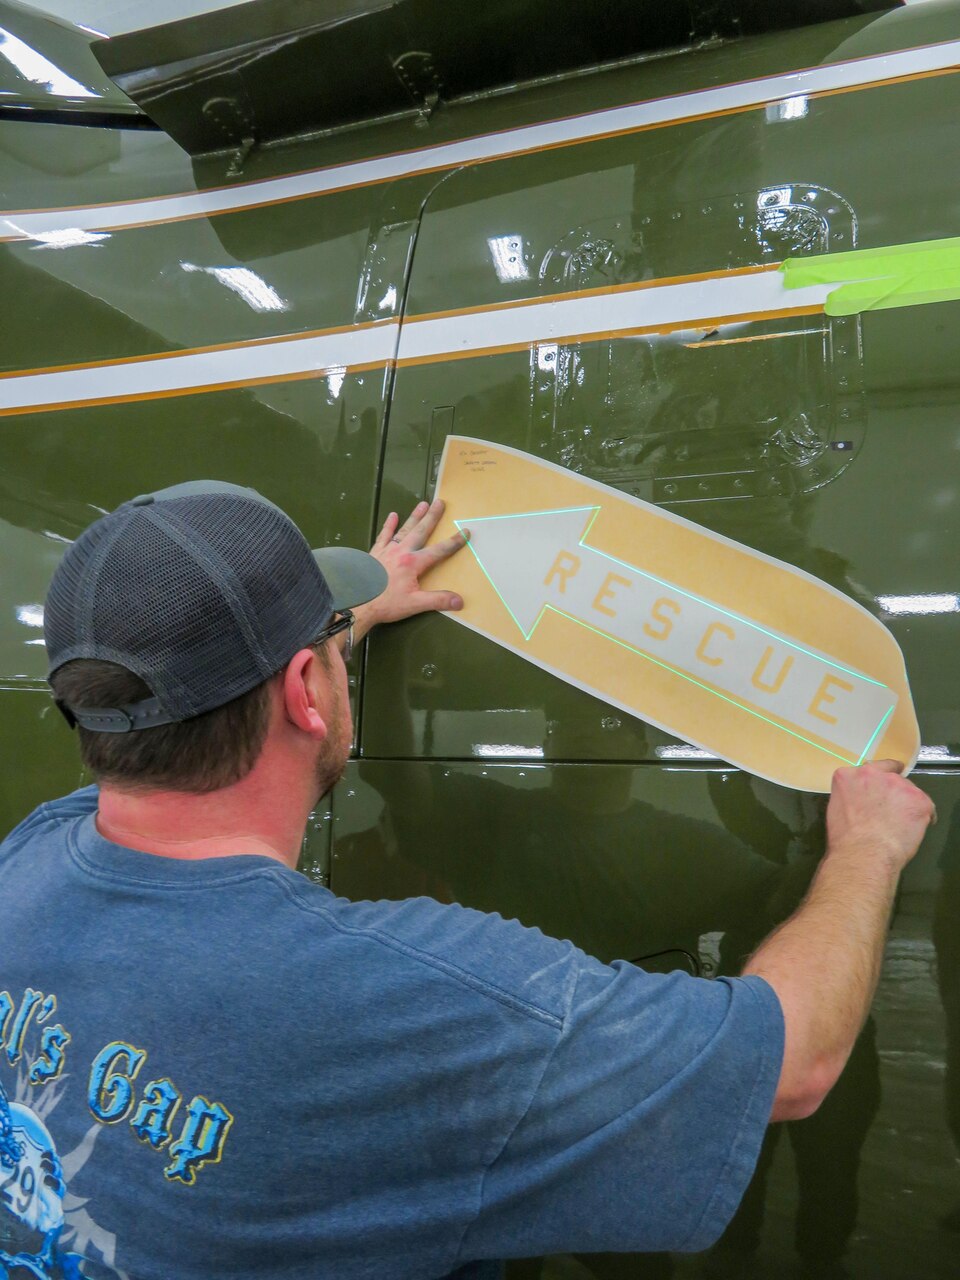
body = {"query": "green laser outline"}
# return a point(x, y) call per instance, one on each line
point(671, 586)
point(700, 685)
point(649, 657)
point(876, 734)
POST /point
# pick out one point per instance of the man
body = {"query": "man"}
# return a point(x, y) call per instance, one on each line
point(212, 1067)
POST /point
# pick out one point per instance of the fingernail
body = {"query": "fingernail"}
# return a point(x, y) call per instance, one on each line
point(465, 534)
point(456, 602)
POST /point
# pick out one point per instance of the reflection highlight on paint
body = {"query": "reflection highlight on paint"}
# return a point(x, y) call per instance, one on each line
point(921, 603)
point(31, 615)
point(682, 751)
point(246, 284)
point(67, 238)
point(33, 66)
point(335, 380)
point(507, 255)
point(795, 108)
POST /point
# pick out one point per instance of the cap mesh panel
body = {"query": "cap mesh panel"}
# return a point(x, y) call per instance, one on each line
point(63, 608)
point(156, 600)
point(287, 592)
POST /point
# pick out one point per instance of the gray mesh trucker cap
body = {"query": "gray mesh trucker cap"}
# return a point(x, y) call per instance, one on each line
point(204, 590)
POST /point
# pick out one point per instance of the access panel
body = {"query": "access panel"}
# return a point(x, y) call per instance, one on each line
point(736, 419)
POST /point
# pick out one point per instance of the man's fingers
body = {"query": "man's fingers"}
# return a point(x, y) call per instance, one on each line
point(446, 547)
point(417, 529)
point(412, 520)
point(387, 532)
point(429, 519)
point(443, 601)
point(888, 766)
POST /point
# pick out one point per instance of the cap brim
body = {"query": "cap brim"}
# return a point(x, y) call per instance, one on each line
point(354, 577)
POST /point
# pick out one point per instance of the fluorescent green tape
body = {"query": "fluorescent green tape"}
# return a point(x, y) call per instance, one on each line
point(898, 275)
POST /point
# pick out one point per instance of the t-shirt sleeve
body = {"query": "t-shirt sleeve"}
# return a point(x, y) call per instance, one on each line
point(75, 805)
point(646, 1123)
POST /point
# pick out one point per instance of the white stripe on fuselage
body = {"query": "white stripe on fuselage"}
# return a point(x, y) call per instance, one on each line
point(718, 299)
point(176, 374)
point(647, 308)
point(640, 115)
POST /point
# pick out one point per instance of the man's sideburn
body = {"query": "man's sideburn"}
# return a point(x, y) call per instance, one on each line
point(334, 751)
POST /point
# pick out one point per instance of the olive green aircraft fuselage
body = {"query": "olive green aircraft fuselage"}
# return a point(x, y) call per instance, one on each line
point(584, 267)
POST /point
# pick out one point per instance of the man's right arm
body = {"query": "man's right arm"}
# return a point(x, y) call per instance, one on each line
point(824, 962)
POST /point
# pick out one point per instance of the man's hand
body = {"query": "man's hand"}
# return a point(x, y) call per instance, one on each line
point(403, 553)
point(874, 810)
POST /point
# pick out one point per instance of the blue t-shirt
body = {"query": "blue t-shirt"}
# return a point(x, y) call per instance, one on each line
point(217, 1068)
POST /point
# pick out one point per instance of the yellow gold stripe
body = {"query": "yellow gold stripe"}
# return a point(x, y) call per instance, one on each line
point(706, 345)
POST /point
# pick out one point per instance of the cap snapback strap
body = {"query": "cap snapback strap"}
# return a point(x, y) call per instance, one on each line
point(145, 714)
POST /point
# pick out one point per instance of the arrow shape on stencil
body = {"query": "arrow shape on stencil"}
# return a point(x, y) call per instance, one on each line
point(540, 562)
point(516, 553)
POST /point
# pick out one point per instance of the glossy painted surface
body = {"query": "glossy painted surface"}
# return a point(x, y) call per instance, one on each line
point(44, 65)
point(210, 81)
point(834, 444)
point(784, 437)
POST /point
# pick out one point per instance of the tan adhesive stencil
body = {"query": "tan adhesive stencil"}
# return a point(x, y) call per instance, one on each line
point(748, 657)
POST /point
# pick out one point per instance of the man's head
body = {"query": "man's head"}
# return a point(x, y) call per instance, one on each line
point(167, 621)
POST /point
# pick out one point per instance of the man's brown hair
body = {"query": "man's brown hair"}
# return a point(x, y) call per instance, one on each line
point(205, 753)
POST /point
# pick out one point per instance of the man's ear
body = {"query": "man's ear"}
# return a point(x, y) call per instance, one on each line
point(299, 696)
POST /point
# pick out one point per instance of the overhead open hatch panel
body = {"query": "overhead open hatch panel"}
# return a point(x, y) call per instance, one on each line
point(273, 69)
